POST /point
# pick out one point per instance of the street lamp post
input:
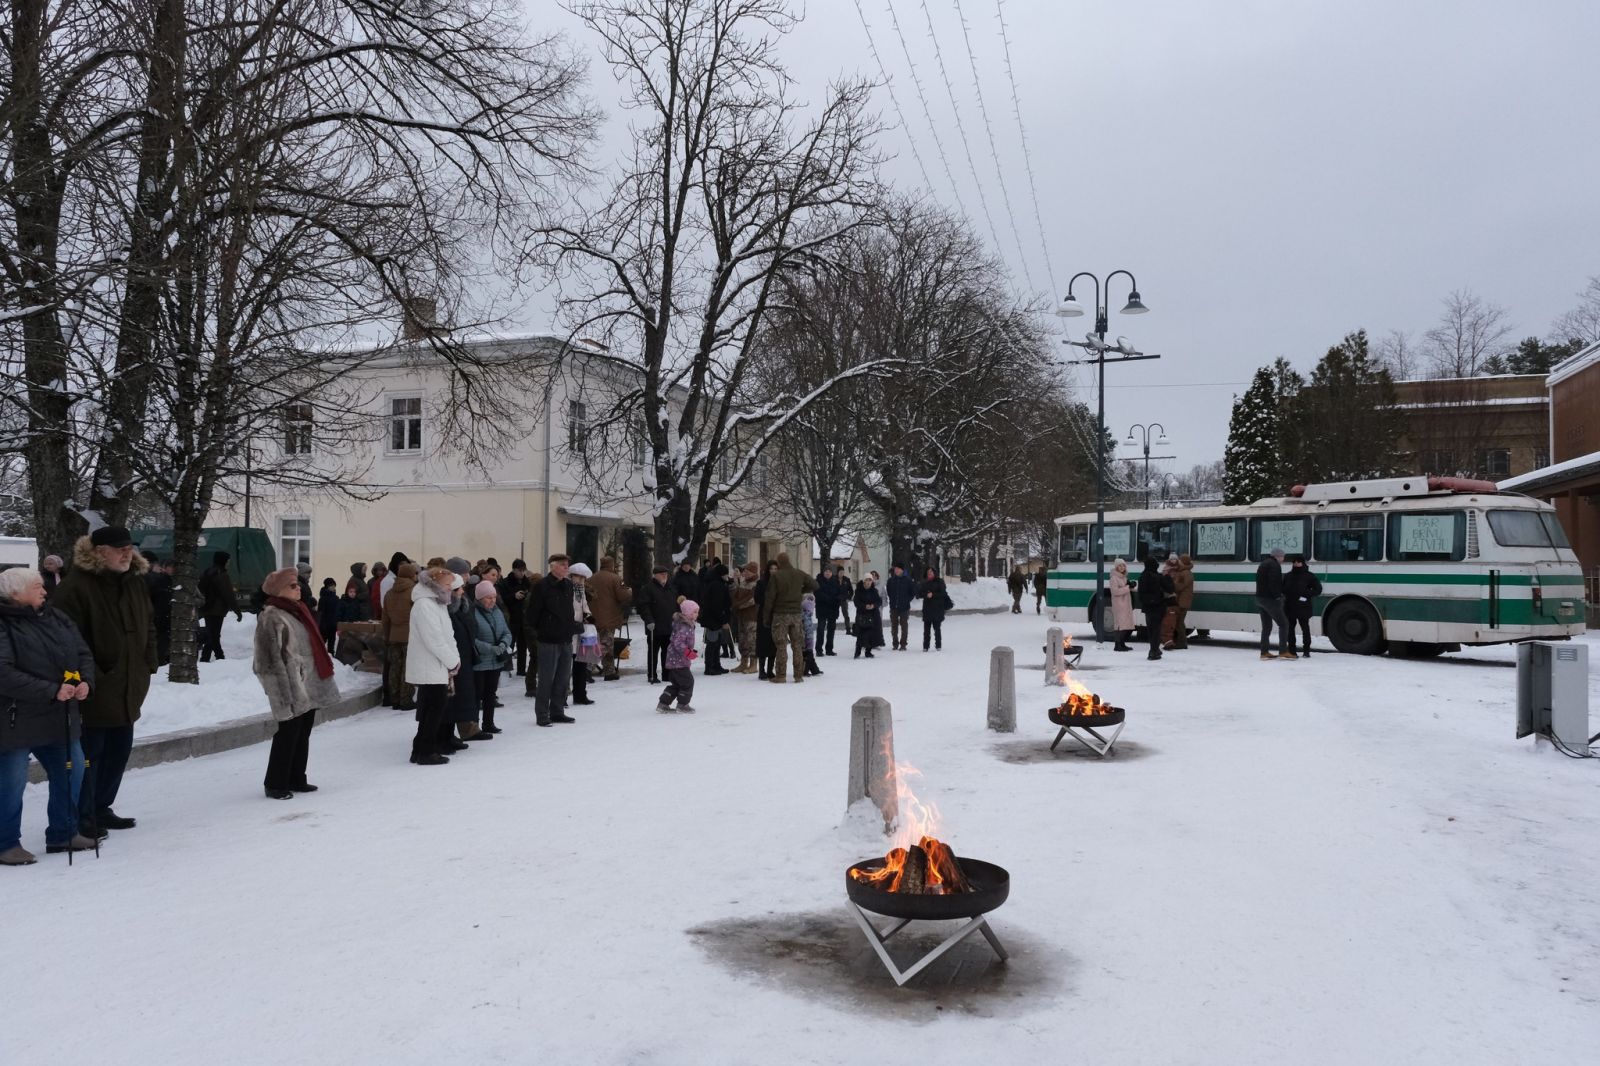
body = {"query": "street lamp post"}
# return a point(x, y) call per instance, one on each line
point(1096, 343)
point(1161, 441)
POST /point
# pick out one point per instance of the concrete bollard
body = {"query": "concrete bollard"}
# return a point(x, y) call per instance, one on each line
point(1055, 659)
point(872, 770)
point(1003, 690)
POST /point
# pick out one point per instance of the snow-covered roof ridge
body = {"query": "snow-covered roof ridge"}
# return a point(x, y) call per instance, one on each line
point(1572, 364)
point(1556, 470)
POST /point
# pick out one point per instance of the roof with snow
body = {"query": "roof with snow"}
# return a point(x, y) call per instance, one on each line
point(1535, 481)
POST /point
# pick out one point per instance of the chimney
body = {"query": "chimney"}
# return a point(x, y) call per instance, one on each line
point(419, 317)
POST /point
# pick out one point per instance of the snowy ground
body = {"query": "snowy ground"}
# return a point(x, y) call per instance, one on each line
point(1337, 860)
point(227, 690)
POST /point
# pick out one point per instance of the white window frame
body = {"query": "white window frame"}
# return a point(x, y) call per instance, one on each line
point(283, 537)
point(639, 452)
point(298, 431)
point(577, 417)
point(390, 418)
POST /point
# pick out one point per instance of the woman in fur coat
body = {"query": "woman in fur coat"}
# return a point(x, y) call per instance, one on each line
point(293, 666)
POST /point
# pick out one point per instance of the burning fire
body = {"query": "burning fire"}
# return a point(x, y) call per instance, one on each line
point(919, 863)
point(1078, 700)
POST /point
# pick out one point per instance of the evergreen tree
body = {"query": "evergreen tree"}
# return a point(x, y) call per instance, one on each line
point(1342, 420)
point(1533, 356)
point(1253, 460)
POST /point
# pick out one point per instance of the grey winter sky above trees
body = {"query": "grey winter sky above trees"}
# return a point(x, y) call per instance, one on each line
point(1276, 175)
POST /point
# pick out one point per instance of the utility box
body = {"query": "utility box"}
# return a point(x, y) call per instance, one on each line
point(1553, 691)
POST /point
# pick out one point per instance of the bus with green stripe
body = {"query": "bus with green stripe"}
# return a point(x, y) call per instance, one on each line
point(1410, 565)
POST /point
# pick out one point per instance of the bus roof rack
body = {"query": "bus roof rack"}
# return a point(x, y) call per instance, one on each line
point(1377, 488)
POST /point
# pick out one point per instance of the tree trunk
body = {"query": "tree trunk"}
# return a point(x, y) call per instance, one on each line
point(673, 531)
point(185, 600)
point(36, 203)
point(128, 392)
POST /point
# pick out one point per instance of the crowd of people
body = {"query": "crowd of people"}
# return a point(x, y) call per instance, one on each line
point(80, 644)
point(1164, 594)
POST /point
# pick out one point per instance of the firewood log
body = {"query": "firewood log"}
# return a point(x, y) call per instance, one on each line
point(943, 861)
point(914, 878)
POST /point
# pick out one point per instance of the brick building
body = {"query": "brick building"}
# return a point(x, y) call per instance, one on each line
point(1571, 480)
point(1485, 427)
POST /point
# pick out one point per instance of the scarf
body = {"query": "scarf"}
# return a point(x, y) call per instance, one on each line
point(319, 651)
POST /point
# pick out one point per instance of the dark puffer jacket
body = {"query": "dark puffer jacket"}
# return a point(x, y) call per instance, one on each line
point(112, 613)
point(36, 650)
point(216, 588)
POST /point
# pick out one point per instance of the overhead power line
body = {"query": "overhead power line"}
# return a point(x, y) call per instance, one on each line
point(888, 83)
point(966, 143)
point(927, 113)
point(994, 150)
point(1027, 158)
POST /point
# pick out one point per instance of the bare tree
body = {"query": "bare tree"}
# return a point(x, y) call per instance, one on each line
point(1399, 355)
point(730, 186)
point(940, 444)
point(1470, 333)
point(439, 130)
point(1582, 323)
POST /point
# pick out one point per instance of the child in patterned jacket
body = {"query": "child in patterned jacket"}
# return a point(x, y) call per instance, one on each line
point(808, 623)
point(680, 653)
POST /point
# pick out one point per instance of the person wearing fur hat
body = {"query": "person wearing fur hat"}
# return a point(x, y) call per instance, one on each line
point(491, 649)
point(294, 668)
point(680, 654)
point(432, 664)
point(396, 630)
point(579, 574)
point(106, 597)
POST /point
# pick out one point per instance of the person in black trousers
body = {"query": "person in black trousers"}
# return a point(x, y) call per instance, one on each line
point(656, 604)
point(159, 581)
point(1154, 589)
point(217, 601)
point(1300, 591)
point(827, 611)
point(934, 596)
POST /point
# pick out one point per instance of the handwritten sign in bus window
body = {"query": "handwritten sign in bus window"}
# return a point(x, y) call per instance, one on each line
point(1288, 534)
point(1216, 538)
point(1119, 542)
point(1427, 534)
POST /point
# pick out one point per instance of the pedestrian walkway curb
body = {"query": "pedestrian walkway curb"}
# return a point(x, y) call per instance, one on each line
point(224, 736)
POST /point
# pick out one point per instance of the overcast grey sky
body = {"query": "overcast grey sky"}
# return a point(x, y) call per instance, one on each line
point(1276, 173)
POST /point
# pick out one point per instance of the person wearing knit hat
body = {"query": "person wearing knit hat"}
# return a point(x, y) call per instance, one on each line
point(303, 574)
point(491, 649)
point(457, 565)
point(680, 655)
point(579, 574)
point(296, 672)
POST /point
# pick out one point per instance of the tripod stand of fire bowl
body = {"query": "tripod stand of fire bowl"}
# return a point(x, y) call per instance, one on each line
point(1083, 728)
point(991, 885)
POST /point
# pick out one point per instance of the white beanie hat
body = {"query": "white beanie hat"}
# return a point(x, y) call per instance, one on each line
point(580, 570)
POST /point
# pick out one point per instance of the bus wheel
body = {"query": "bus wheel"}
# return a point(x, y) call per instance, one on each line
point(1354, 628)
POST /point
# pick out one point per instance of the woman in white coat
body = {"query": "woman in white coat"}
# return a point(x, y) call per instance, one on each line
point(1121, 605)
point(432, 662)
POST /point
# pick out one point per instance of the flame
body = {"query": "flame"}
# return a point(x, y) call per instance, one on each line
point(1078, 700)
point(915, 824)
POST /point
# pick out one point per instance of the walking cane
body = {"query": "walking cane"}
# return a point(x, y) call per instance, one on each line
point(74, 678)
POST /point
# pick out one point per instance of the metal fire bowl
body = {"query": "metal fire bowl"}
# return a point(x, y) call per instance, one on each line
point(991, 885)
point(1113, 716)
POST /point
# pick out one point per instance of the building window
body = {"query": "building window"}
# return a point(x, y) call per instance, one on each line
point(297, 422)
point(1497, 462)
point(1439, 462)
point(641, 447)
point(405, 424)
point(1541, 458)
point(294, 541)
point(575, 423)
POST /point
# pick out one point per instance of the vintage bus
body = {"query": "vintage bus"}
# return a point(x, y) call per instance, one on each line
point(1414, 566)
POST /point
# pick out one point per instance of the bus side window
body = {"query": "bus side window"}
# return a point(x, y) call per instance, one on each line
point(1349, 538)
